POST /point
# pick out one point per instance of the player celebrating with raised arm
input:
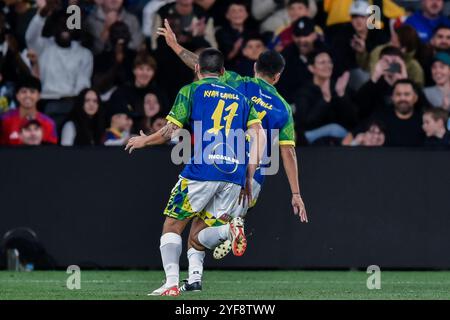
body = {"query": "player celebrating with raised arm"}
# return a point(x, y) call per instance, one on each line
point(214, 186)
point(276, 114)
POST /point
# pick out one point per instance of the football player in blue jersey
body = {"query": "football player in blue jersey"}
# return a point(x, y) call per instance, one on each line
point(276, 116)
point(213, 181)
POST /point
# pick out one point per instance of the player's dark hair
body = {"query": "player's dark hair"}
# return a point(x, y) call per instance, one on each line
point(211, 61)
point(270, 63)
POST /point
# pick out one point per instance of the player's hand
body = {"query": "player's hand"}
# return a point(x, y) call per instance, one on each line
point(299, 207)
point(246, 193)
point(168, 34)
point(138, 142)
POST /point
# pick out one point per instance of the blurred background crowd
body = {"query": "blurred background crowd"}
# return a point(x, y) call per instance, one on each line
point(351, 79)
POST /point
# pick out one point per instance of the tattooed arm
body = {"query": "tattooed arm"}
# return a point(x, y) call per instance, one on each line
point(159, 137)
point(188, 57)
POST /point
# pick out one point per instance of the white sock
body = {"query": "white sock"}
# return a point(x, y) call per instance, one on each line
point(195, 258)
point(170, 254)
point(211, 237)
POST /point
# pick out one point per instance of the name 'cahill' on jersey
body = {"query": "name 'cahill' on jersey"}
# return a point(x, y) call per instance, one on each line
point(218, 115)
point(274, 112)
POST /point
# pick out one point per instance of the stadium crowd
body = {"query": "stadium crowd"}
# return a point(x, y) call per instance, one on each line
point(351, 79)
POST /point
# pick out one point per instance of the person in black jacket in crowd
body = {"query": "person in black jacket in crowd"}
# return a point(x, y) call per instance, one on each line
point(232, 35)
point(324, 108)
point(376, 93)
point(402, 119)
point(435, 127)
point(114, 66)
point(354, 41)
point(296, 74)
point(144, 82)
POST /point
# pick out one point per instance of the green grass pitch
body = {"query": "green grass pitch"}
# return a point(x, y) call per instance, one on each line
point(228, 285)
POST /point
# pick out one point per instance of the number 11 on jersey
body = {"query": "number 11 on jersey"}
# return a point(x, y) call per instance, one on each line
point(217, 117)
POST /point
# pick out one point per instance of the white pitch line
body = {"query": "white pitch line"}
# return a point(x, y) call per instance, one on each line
point(233, 282)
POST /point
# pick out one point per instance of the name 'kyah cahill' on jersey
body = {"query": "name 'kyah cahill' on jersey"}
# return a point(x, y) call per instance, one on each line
point(219, 116)
point(274, 112)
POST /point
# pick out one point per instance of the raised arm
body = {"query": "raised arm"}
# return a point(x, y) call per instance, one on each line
point(188, 57)
point(157, 138)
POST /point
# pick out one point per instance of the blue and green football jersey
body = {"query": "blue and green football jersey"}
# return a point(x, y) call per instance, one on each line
point(218, 116)
point(275, 113)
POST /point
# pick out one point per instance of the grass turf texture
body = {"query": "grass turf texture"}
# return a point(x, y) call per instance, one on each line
point(228, 285)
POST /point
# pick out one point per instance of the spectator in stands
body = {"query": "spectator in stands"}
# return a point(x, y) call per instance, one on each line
point(114, 66)
point(405, 38)
point(374, 136)
point(144, 82)
point(149, 15)
point(339, 12)
point(231, 37)
point(427, 19)
point(215, 9)
point(65, 67)
point(31, 133)
point(28, 94)
point(19, 14)
point(403, 122)
point(435, 127)
point(283, 18)
point(296, 74)
point(439, 94)
point(158, 123)
point(263, 9)
point(353, 42)
point(323, 107)
point(152, 109)
point(439, 42)
point(104, 16)
point(441, 38)
point(374, 93)
point(189, 21)
point(252, 49)
point(120, 124)
point(86, 123)
point(193, 31)
point(12, 67)
point(296, 9)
